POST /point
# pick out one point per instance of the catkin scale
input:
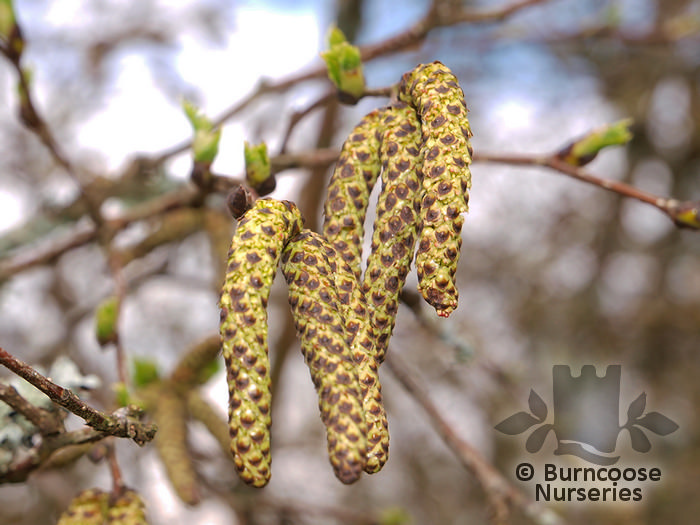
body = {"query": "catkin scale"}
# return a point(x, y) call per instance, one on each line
point(324, 342)
point(127, 509)
point(395, 227)
point(433, 90)
point(349, 189)
point(87, 508)
point(255, 251)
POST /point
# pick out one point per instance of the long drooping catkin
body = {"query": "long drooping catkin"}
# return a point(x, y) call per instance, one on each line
point(324, 342)
point(255, 251)
point(395, 227)
point(433, 90)
point(354, 177)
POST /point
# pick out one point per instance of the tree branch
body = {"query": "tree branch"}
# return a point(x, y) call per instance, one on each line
point(121, 423)
point(497, 488)
point(43, 419)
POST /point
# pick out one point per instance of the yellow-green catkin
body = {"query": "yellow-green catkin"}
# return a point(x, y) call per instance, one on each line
point(395, 227)
point(87, 508)
point(127, 509)
point(349, 189)
point(170, 414)
point(255, 251)
point(308, 264)
point(435, 93)
point(362, 341)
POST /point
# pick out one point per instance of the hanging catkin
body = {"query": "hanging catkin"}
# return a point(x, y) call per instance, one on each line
point(354, 177)
point(433, 90)
point(255, 251)
point(395, 227)
point(308, 264)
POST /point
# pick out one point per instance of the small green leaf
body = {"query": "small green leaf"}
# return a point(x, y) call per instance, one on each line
point(145, 372)
point(585, 149)
point(257, 163)
point(335, 36)
point(205, 144)
point(106, 320)
point(344, 64)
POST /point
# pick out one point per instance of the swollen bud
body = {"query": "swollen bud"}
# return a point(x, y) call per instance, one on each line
point(257, 168)
point(344, 65)
point(106, 320)
point(583, 150)
point(686, 214)
point(205, 145)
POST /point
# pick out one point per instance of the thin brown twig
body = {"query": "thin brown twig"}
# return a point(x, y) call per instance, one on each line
point(673, 208)
point(499, 490)
point(116, 472)
point(299, 115)
point(46, 421)
point(121, 424)
point(42, 453)
point(117, 270)
point(433, 19)
point(83, 234)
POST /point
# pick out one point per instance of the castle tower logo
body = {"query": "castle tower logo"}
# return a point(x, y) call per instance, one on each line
point(586, 419)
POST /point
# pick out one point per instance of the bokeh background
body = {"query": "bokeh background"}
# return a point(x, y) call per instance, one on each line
point(553, 271)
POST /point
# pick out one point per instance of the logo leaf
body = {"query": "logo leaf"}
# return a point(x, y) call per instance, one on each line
point(657, 423)
point(640, 442)
point(536, 439)
point(537, 406)
point(516, 424)
point(636, 408)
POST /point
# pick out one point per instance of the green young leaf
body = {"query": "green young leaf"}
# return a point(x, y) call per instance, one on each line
point(335, 36)
point(205, 144)
point(145, 372)
point(106, 320)
point(257, 163)
point(586, 148)
point(344, 64)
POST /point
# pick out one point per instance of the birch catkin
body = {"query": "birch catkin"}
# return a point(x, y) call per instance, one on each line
point(308, 264)
point(354, 177)
point(253, 258)
point(433, 90)
point(362, 340)
point(395, 227)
